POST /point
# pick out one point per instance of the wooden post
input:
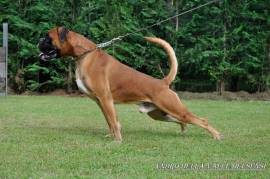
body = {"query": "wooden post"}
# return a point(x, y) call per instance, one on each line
point(2, 72)
point(5, 46)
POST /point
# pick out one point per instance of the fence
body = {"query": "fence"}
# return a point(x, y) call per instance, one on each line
point(3, 62)
point(2, 72)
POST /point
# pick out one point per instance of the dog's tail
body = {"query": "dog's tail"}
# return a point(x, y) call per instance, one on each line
point(170, 52)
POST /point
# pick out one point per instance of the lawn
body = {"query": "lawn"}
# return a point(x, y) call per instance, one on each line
point(64, 137)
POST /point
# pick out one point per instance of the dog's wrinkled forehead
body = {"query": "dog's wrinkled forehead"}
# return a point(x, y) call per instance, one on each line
point(58, 35)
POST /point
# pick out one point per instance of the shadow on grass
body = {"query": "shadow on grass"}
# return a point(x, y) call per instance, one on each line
point(136, 134)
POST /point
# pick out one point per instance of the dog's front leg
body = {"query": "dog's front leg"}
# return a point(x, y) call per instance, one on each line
point(110, 127)
point(107, 107)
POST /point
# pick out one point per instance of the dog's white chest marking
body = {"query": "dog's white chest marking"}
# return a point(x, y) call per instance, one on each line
point(81, 86)
point(80, 83)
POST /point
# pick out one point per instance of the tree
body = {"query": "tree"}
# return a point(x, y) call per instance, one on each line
point(224, 43)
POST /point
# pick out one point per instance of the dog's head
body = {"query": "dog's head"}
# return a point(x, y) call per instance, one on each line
point(55, 44)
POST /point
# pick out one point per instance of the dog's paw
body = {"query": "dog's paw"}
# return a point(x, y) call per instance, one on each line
point(183, 127)
point(118, 141)
point(217, 136)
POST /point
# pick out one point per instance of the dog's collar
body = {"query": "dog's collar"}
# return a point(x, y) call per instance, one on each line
point(86, 52)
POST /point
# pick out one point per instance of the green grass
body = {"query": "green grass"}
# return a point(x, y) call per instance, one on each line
point(64, 137)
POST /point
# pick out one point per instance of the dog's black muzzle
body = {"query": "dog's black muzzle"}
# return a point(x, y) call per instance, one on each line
point(47, 49)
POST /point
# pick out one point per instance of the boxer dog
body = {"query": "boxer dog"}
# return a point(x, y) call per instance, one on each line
point(107, 81)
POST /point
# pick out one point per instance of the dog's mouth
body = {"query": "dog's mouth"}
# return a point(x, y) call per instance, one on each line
point(48, 55)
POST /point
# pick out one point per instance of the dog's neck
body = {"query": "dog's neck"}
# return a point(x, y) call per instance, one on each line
point(81, 45)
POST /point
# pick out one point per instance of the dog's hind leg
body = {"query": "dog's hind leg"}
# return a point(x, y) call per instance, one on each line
point(169, 102)
point(160, 115)
point(155, 113)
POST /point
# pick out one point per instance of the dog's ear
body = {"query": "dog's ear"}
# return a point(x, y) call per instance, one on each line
point(63, 34)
